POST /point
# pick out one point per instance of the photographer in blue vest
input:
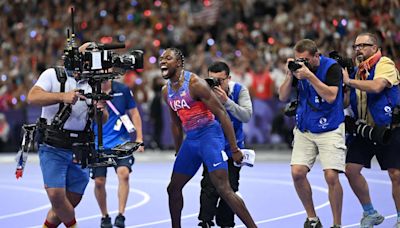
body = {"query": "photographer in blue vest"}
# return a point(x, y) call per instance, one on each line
point(64, 179)
point(374, 99)
point(237, 102)
point(319, 125)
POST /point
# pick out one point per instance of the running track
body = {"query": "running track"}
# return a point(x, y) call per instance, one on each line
point(267, 189)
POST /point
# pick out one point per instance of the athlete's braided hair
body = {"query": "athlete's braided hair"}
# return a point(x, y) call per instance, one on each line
point(179, 55)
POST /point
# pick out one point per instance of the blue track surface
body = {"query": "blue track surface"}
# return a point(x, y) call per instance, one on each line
point(267, 189)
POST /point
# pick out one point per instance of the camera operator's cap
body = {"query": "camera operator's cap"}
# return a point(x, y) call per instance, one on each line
point(249, 157)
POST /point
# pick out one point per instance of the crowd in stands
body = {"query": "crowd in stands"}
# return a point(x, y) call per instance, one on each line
point(255, 37)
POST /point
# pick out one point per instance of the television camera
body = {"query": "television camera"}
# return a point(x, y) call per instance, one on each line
point(96, 63)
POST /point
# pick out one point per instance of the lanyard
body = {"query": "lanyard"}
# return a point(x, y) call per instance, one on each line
point(110, 104)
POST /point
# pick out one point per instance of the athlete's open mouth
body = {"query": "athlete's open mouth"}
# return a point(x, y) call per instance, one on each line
point(164, 71)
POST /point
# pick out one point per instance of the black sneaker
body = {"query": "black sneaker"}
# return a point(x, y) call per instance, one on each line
point(120, 221)
point(312, 224)
point(106, 222)
point(206, 224)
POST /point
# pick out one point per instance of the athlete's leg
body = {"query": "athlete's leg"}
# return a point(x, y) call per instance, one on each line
point(175, 197)
point(219, 178)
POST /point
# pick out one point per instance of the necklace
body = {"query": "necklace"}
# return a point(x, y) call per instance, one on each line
point(179, 79)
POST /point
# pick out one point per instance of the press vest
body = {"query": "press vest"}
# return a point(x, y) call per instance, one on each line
point(237, 124)
point(380, 105)
point(313, 113)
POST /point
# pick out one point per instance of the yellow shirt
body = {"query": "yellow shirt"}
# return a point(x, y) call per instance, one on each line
point(385, 69)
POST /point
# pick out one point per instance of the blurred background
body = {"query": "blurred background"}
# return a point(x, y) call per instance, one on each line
point(255, 37)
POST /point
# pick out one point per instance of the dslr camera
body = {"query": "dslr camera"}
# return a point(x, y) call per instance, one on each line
point(290, 108)
point(212, 82)
point(343, 62)
point(294, 65)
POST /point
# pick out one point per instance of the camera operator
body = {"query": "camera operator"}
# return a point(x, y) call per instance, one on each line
point(374, 95)
point(237, 102)
point(114, 134)
point(64, 180)
point(319, 125)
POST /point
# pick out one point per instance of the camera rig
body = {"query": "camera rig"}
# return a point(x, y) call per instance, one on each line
point(96, 64)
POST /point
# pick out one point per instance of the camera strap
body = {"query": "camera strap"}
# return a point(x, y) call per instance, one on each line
point(62, 78)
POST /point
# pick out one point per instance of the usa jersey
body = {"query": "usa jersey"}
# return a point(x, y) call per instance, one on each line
point(193, 114)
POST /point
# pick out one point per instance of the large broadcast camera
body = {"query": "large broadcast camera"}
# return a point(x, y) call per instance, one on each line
point(98, 63)
point(377, 134)
point(98, 59)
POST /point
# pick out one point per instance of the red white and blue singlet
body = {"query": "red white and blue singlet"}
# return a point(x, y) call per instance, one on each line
point(193, 114)
point(204, 141)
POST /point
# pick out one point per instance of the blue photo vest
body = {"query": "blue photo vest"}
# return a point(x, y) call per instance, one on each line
point(380, 105)
point(313, 113)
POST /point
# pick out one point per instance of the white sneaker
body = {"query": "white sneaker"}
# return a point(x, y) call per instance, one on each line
point(369, 221)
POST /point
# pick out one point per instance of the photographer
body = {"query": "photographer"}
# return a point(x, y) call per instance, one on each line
point(115, 133)
point(319, 125)
point(374, 95)
point(237, 102)
point(64, 180)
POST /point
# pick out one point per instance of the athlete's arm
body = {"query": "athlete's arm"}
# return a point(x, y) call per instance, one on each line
point(199, 89)
point(176, 125)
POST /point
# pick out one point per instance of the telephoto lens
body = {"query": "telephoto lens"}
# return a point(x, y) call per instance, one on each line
point(378, 134)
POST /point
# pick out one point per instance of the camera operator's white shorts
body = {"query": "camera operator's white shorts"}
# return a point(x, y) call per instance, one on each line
point(329, 145)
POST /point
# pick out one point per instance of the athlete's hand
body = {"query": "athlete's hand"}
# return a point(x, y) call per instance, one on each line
point(237, 156)
point(72, 96)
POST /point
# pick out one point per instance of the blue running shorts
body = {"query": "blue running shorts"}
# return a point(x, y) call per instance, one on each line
point(204, 145)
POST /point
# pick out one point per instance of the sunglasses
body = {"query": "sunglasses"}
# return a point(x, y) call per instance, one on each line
point(362, 46)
